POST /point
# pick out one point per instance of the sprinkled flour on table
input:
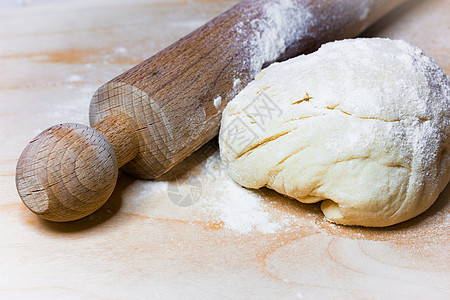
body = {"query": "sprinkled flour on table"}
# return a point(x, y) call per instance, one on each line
point(222, 201)
point(239, 209)
point(217, 101)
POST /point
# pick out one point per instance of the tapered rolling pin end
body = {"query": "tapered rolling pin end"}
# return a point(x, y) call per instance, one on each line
point(70, 170)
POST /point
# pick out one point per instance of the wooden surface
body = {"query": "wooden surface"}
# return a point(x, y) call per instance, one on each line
point(147, 242)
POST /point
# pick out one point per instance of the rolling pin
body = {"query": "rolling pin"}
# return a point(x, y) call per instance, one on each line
point(154, 115)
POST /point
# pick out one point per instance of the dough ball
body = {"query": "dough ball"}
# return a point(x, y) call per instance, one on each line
point(361, 124)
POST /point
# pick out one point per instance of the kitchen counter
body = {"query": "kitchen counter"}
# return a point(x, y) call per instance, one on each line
point(193, 233)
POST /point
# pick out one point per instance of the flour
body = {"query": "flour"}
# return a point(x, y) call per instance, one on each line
point(236, 83)
point(74, 78)
point(283, 22)
point(222, 201)
point(120, 50)
point(217, 101)
point(364, 9)
point(237, 86)
point(239, 209)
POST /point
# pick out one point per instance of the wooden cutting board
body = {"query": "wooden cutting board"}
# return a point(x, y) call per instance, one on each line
point(192, 234)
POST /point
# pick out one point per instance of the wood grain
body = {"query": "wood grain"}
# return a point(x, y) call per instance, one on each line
point(67, 172)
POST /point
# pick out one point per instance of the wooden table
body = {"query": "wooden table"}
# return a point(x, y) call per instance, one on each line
point(211, 238)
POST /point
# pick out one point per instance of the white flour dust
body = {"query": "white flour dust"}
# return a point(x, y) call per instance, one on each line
point(239, 209)
point(282, 23)
point(217, 101)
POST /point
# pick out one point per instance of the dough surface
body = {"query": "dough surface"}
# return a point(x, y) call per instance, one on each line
point(362, 124)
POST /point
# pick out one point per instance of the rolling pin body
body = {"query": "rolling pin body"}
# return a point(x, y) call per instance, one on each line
point(160, 111)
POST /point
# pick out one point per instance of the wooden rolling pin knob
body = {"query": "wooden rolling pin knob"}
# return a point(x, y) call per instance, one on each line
point(156, 114)
point(70, 170)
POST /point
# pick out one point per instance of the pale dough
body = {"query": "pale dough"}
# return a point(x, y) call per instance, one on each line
point(362, 124)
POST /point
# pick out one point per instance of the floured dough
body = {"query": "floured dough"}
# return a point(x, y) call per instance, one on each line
point(362, 124)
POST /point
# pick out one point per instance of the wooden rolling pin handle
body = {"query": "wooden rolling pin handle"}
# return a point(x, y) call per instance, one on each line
point(120, 131)
point(69, 171)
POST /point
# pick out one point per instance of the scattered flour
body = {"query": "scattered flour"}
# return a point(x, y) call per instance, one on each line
point(120, 50)
point(236, 83)
point(285, 17)
point(239, 209)
point(74, 78)
point(283, 22)
point(222, 201)
point(364, 9)
point(217, 101)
